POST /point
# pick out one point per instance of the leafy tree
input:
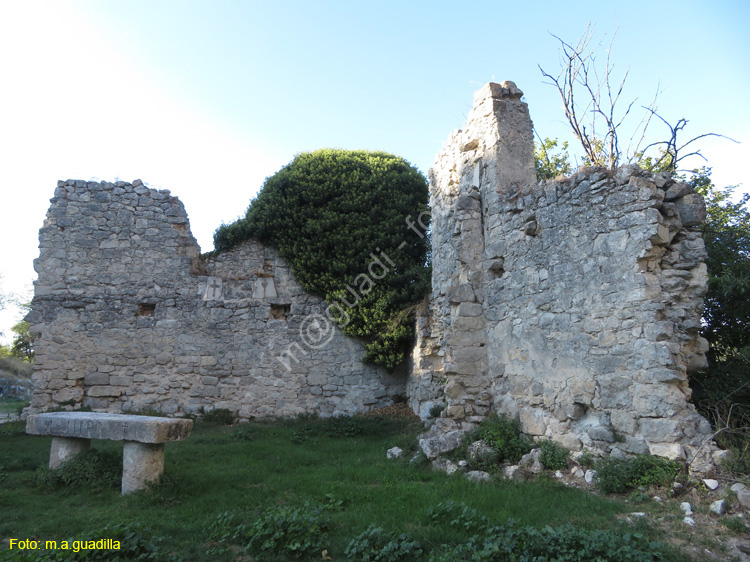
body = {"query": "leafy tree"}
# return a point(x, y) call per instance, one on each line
point(549, 164)
point(726, 232)
point(339, 218)
point(23, 343)
point(722, 392)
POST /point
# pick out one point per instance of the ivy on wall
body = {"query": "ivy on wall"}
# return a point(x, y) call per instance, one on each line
point(341, 219)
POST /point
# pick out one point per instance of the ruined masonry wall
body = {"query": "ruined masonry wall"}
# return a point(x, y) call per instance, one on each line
point(132, 318)
point(572, 305)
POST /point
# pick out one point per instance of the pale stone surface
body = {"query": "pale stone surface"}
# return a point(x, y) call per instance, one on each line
point(445, 465)
point(141, 463)
point(116, 427)
point(513, 472)
point(719, 507)
point(532, 461)
point(434, 443)
point(144, 438)
point(686, 508)
point(64, 448)
point(394, 452)
point(479, 449)
point(743, 497)
point(710, 483)
point(478, 476)
point(572, 306)
point(584, 295)
point(126, 304)
point(689, 521)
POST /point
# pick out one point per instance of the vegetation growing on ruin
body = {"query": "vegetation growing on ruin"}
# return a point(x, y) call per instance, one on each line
point(341, 219)
point(601, 127)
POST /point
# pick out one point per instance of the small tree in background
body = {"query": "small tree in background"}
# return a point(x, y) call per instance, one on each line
point(548, 163)
point(23, 343)
point(331, 214)
point(722, 392)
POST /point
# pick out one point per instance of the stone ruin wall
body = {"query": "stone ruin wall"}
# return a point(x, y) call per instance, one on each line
point(133, 319)
point(573, 306)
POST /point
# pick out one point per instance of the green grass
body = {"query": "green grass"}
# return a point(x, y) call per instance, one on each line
point(255, 467)
point(12, 405)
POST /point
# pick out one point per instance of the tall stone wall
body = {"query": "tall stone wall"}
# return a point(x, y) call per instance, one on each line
point(572, 305)
point(132, 318)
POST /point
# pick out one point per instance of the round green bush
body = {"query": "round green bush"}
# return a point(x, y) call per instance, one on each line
point(342, 219)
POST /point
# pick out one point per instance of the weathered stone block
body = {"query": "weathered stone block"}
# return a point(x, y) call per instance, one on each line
point(117, 427)
point(462, 293)
point(532, 421)
point(142, 463)
point(692, 209)
point(96, 378)
point(98, 391)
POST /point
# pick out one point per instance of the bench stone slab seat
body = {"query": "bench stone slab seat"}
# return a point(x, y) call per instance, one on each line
point(144, 437)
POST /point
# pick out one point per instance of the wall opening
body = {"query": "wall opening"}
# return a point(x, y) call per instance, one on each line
point(146, 309)
point(280, 311)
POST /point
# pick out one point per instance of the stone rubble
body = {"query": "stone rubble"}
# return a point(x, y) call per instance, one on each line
point(478, 476)
point(719, 507)
point(710, 483)
point(394, 453)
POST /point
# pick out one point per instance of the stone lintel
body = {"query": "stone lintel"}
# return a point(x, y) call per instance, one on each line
point(116, 427)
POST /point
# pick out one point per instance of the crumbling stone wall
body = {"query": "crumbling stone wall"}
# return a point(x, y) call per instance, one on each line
point(132, 318)
point(572, 305)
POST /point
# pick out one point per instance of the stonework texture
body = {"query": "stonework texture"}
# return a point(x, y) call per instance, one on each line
point(132, 318)
point(573, 306)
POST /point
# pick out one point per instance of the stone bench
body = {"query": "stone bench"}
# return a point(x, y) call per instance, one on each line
point(144, 437)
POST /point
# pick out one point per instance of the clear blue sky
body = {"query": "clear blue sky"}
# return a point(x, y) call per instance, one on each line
point(208, 98)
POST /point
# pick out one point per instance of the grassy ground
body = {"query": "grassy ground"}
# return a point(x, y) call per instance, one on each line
point(256, 466)
point(12, 406)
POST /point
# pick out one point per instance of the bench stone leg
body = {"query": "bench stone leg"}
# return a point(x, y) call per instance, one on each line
point(141, 463)
point(63, 448)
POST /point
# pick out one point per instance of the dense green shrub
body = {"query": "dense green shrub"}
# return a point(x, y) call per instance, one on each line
point(508, 542)
point(554, 456)
point(459, 516)
point(339, 218)
point(722, 392)
point(220, 416)
point(290, 531)
point(505, 437)
point(615, 476)
point(376, 545)
point(95, 470)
